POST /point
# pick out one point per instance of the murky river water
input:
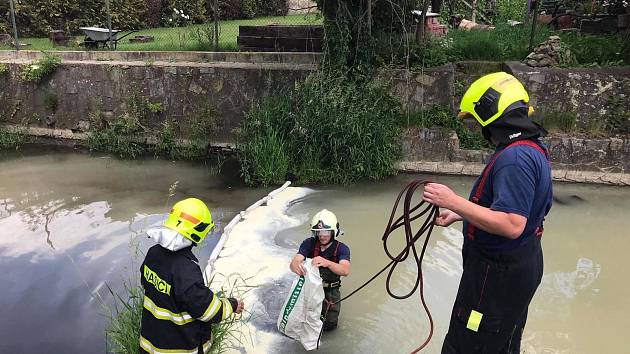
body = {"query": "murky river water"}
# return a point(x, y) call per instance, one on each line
point(69, 224)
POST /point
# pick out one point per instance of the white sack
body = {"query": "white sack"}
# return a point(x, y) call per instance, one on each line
point(300, 315)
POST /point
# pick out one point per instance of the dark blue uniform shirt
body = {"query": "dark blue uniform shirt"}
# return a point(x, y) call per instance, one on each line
point(307, 246)
point(519, 183)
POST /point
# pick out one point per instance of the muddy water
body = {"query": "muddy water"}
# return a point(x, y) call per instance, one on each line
point(69, 226)
point(70, 223)
point(580, 307)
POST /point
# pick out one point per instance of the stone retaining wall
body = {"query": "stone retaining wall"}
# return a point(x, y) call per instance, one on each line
point(184, 84)
point(573, 159)
point(182, 89)
point(586, 92)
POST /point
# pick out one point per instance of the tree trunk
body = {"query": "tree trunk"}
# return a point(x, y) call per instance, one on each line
point(420, 27)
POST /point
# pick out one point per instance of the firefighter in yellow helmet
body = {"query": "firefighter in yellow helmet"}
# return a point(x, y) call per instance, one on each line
point(502, 221)
point(331, 256)
point(178, 306)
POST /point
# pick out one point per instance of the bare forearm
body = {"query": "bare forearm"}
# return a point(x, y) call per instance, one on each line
point(340, 269)
point(494, 222)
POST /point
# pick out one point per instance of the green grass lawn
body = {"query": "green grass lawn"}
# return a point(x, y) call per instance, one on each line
point(189, 38)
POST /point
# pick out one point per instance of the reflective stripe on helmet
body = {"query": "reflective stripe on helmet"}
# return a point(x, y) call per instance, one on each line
point(191, 218)
point(188, 217)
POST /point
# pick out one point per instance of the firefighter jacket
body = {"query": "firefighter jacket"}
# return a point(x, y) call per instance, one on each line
point(178, 307)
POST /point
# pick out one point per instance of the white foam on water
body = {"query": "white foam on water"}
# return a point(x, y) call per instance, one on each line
point(251, 251)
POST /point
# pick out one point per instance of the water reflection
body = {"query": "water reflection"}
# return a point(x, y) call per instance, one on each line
point(72, 225)
point(72, 228)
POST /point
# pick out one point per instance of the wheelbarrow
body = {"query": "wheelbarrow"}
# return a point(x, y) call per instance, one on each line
point(96, 36)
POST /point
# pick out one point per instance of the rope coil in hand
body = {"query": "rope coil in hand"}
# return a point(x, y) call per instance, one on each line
point(405, 220)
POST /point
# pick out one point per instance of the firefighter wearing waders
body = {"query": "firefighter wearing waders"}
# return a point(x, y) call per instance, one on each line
point(178, 307)
point(502, 221)
point(333, 259)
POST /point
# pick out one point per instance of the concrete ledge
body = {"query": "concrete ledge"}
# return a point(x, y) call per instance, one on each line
point(224, 65)
point(67, 137)
point(560, 173)
point(231, 57)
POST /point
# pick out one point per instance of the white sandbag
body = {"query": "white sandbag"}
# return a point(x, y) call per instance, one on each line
point(300, 315)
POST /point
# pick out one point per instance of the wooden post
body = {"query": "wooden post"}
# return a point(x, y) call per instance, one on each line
point(369, 16)
point(216, 25)
point(420, 27)
point(474, 11)
point(15, 33)
point(480, 13)
point(109, 25)
point(534, 20)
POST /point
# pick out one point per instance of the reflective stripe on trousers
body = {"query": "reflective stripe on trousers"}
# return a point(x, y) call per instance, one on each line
point(150, 348)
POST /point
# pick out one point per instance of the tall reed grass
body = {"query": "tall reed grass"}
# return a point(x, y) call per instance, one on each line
point(328, 129)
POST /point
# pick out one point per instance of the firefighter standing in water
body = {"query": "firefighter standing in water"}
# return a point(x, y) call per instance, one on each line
point(502, 221)
point(333, 259)
point(178, 307)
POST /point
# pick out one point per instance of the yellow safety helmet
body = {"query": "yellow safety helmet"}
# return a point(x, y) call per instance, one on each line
point(490, 96)
point(191, 218)
point(325, 220)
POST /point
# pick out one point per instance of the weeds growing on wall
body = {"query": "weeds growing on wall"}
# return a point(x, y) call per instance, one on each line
point(127, 137)
point(444, 117)
point(41, 68)
point(12, 139)
point(120, 137)
point(557, 120)
point(617, 119)
point(327, 129)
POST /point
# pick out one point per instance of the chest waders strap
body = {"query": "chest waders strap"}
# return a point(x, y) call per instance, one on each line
point(470, 231)
point(317, 250)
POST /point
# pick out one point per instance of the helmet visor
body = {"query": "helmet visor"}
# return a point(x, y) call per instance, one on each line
point(318, 233)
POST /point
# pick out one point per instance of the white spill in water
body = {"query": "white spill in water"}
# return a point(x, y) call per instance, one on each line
point(252, 252)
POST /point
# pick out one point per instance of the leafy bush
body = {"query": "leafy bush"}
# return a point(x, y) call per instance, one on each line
point(40, 68)
point(195, 8)
point(37, 18)
point(4, 68)
point(242, 9)
point(510, 10)
point(328, 129)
